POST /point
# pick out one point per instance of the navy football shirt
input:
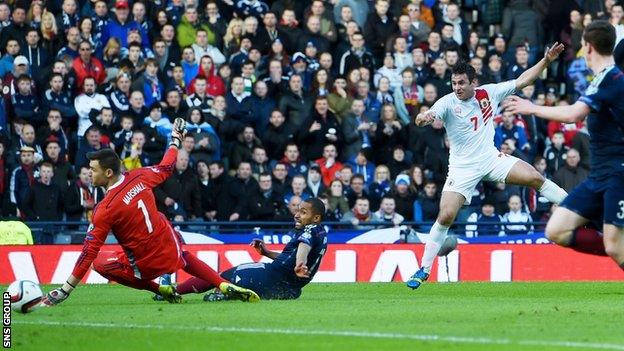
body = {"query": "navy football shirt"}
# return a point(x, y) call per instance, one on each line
point(313, 235)
point(605, 123)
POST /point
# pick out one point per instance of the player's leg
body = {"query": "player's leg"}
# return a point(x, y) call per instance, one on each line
point(614, 243)
point(115, 266)
point(571, 223)
point(613, 226)
point(522, 173)
point(254, 277)
point(195, 267)
point(450, 203)
point(195, 285)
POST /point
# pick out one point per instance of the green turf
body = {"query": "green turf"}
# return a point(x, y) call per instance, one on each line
point(506, 316)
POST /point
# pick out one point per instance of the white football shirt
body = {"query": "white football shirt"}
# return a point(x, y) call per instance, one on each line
point(469, 124)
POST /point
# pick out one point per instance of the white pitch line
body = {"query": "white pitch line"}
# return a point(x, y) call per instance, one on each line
point(347, 333)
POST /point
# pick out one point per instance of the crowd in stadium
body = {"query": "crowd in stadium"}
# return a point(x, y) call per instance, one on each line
point(284, 100)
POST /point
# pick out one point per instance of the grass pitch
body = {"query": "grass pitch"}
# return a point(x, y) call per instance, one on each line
point(458, 316)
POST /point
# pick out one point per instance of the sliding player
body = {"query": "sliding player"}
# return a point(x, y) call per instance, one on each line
point(600, 198)
point(290, 270)
point(468, 115)
point(151, 247)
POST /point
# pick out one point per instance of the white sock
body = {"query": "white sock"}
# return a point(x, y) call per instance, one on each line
point(552, 192)
point(437, 235)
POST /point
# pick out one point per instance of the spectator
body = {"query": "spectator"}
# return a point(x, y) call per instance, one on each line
point(359, 130)
point(403, 197)
point(85, 65)
point(321, 128)
point(157, 131)
point(228, 196)
point(387, 213)
point(293, 161)
point(487, 223)
point(338, 203)
point(22, 179)
point(12, 49)
point(399, 162)
point(17, 30)
point(242, 149)
point(281, 181)
point(189, 27)
point(26, 138)
point(361, 165)
point(359, 214)
point(63, 171)
point(328, 164)
point(520, 220)
point(44, 202)
point(408, 97)
point(357, 56)
point(510, 130)
point(59, 99)
point(259, 162)
point(314, 181)
point(248, 184)
point(298, 187)
point(179, 194)
point(556, 153)
point(86, 102)
point(294, 104)
point(132, 155)
point(37, 56)
point(92, 142)
point(570, 175)
point(81, 197)
point(379, 27)
point(263, 105)
point(427, 206)
point(389, 134)
point(266, 203)
point(25, 102)
point(340, 102)
point(120, 25)
point(149, 83)
point(277, 135)
point(356, 190)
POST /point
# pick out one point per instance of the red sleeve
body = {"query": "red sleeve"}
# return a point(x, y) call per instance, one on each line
point(96, 235)
point(153, 176)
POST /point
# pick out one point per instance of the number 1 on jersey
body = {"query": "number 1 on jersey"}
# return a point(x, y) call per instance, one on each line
point(148, 223)
point(475, 120)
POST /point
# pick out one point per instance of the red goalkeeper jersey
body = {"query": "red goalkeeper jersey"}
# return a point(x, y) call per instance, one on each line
point(129, 211)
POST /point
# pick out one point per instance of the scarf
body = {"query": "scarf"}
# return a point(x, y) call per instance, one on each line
point(30, 172)
point(361, 217)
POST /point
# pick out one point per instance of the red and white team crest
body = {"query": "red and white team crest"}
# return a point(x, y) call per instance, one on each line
point(484, 103)
point(457, 111)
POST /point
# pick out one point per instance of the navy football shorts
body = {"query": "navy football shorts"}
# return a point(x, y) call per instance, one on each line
point(598, 201)
point(265, 281)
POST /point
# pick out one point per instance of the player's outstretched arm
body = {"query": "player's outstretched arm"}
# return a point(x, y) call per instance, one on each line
point(566, 114)
point(58, 295)
point(178, 132)
point(531, 74)
point(426, 118)
point(260, 248)
point(301, 269)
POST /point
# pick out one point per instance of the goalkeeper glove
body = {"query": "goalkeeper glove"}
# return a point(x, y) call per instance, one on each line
point(179, 130)
point(55, 297)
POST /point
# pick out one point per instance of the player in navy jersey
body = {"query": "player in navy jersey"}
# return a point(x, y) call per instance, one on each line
point(290, 271)
point(600, 198)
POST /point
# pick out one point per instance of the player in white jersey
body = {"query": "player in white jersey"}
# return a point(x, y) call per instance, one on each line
point(468, 115)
